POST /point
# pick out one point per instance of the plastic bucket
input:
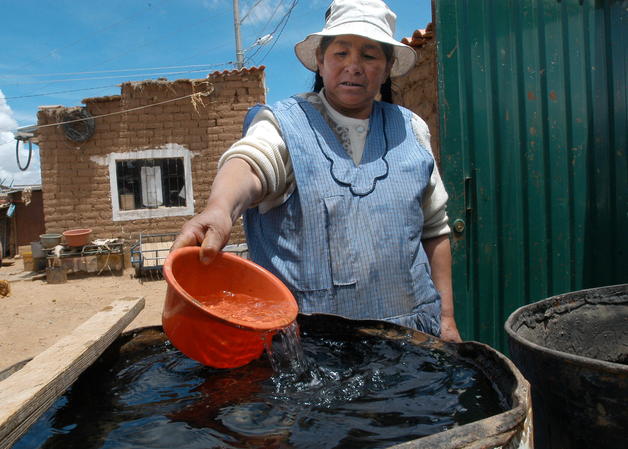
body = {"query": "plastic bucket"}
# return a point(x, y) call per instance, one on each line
point(572, 350)
point(216, 336)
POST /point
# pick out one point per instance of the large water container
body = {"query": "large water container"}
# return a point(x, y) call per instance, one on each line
point(509, 427)
point(573, 349)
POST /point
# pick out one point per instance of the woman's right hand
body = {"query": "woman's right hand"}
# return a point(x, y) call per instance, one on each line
point(210, 229)
point(235, 187)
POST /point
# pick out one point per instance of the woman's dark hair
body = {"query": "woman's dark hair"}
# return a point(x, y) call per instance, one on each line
point(385, 90)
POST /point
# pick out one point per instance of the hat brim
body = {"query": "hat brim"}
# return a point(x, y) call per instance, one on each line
point(405, 56)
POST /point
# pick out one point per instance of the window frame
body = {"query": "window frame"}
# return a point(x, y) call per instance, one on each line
point(169, 151)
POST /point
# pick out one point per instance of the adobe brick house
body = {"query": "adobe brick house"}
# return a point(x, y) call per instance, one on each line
point(418, 90)
point(25, 223)
point(148, 169)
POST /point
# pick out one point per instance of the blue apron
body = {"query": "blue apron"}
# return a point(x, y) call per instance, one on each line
point(348, 239)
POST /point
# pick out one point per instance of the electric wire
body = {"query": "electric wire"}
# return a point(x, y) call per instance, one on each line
point(69, 80)
point(99, 31)
point(161, 37)
point(108, 71)
point(82, 38)
point(60, 92)
point(124, 111)
point(282, 23)
point(263, 29)
point(194, 56)
point(207, 66)
point(258, 49)
point(132, 70)
point(250, 10)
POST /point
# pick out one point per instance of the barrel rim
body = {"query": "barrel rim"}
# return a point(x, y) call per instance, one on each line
point(505, 424)
point(579, 360)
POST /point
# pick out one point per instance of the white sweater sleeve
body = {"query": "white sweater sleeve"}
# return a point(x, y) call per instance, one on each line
point(264, 149)
point(435, 196)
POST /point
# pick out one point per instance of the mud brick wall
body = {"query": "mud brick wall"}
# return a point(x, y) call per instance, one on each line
point(418, 90)
point(75, 175)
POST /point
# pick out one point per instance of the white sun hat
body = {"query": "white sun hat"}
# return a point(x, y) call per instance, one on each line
point(371, 19)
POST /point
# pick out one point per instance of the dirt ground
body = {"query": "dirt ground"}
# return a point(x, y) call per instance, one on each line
point(36, 314)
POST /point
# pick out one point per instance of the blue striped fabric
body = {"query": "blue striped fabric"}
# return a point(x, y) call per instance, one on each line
point(348, 240)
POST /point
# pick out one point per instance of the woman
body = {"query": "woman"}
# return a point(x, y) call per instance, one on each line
point(341, 196)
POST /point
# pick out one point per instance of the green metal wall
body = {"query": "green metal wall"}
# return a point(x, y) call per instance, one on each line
point(532, 97)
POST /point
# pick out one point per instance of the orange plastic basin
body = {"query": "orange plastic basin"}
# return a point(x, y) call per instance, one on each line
point(222, 314)
point(77, 237)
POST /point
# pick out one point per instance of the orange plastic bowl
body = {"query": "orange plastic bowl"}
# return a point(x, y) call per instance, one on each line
point(201, 329)
point(77, 237)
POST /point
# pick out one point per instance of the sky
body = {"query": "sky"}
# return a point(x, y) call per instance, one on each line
point(58, 52)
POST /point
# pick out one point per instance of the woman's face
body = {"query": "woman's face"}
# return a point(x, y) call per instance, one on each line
point(353, 68)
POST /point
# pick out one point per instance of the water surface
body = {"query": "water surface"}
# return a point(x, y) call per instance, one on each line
point(353, 392)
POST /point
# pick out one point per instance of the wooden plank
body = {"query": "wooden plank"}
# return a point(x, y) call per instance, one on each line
point(28, 393)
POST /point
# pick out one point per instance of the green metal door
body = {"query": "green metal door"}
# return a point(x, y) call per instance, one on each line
point(532, 97)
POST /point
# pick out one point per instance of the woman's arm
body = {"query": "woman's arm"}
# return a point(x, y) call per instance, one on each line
point(438, 251)
point(235, 188)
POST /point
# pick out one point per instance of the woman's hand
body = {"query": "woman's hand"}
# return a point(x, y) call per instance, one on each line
point(235, 188)
point(210, 229)
point(449, 330)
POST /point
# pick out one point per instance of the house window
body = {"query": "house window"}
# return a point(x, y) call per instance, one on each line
point(151, 183)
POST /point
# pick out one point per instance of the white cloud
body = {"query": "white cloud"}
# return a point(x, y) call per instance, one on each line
point(7, 121)
point(9, 171)
point(24, 118)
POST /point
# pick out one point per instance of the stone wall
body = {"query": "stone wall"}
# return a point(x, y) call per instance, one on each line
point(75, 175)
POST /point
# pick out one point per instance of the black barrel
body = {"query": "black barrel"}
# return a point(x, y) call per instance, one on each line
point(573, 350)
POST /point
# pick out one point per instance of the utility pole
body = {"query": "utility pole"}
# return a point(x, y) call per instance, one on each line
point(236, 24)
